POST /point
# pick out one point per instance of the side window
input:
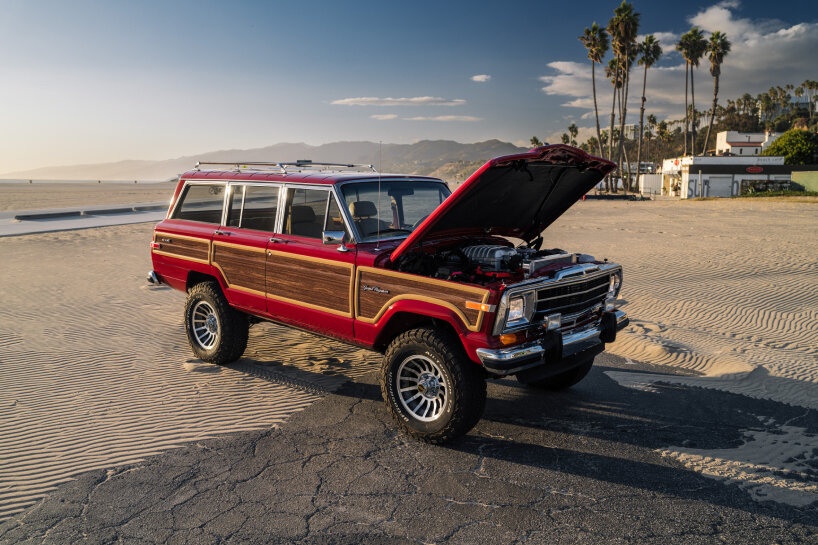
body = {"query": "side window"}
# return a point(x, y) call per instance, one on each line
point(260, 206)
point(305, 211)
point(234, 205)
point(335, 222)
point(201, 202)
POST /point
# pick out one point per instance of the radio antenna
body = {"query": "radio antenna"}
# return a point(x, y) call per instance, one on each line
point(380, 168)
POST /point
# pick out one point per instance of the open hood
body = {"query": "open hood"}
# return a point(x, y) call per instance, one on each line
point(514, 195)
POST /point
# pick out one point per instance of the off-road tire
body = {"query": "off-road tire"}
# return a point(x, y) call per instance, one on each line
point(465, 385)
point(231, 336)
point(562, 381)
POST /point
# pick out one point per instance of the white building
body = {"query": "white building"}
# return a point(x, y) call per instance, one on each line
point(691, 177)
point(743, 143)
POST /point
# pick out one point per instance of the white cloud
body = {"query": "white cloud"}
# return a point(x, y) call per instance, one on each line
point(383, 117)
point(481, 78)
point(666, 39)
point(388, 101)
point(764, 53)
point(444, 118)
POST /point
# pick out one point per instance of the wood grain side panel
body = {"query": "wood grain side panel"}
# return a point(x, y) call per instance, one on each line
point(371, 304)
point(242, 268)
point(196, 249)
point(318, 284)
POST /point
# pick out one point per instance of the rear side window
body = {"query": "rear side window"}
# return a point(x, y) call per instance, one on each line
point(260, 206)
point(305, 212)
point(201, 203)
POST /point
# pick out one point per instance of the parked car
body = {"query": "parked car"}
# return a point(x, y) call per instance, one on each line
point(452, 288)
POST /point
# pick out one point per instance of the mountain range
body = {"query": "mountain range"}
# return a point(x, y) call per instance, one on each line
point(446, 159)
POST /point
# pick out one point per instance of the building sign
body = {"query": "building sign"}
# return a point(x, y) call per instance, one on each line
point(755, 170)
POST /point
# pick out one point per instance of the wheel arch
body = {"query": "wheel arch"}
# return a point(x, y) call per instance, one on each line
point(197, 277)
point(402, 321)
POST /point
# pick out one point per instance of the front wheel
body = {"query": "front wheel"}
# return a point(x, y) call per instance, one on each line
point(433, 391)
point(216, 332)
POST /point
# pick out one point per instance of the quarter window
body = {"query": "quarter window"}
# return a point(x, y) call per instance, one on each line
point(201, 202)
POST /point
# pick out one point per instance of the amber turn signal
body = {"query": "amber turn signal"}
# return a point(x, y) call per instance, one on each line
point(508, 338)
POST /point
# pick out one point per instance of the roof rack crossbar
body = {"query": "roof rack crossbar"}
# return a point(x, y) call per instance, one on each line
point(283, 166)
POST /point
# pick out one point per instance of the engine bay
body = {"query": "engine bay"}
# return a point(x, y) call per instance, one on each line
point(485, 263)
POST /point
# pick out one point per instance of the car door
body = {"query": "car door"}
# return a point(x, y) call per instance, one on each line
point(240, 243)
point(310, 283)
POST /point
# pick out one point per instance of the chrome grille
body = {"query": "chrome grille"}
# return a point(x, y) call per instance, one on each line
point(575, 301)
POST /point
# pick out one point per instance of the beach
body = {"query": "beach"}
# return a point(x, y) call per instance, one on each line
point(97, 372)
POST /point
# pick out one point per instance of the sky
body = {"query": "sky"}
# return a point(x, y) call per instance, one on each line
point(98, 81)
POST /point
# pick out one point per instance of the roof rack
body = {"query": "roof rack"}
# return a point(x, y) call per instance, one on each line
point(285, 167)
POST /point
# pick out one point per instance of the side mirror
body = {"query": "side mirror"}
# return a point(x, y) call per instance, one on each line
point(335, 237)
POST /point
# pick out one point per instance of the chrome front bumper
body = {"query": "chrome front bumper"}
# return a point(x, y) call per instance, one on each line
point(507, 361)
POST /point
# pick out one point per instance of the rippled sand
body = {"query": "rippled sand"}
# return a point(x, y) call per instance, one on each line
point(96, 370)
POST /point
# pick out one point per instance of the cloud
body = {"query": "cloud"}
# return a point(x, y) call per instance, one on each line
point(444, 118)
point(764, 53)
point(383, 117)
point(388, 101)
point(667, 40)
point(481, 78)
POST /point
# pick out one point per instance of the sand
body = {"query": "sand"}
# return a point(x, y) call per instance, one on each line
point(96, 370)
point(726, 290)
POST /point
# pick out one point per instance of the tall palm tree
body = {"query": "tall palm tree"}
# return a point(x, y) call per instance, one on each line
point(650, 51)
point(613, 73)
point(595, 40)
point(623, 28)
point(718, 48)
point(692, 46)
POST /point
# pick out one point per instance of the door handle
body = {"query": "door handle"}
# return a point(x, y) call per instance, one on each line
point(222, 233)
point(275, 240)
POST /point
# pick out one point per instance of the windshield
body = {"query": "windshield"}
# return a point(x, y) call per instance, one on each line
point(394, 212)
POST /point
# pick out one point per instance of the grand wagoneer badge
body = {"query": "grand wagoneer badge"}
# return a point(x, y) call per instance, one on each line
point(376, 289)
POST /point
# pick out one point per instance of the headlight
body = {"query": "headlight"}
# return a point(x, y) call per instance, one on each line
point(616, 283)
point(516, 309)
point(520, 309)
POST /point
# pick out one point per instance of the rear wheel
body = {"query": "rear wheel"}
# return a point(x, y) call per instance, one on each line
point(563, 380)
point(216, 332)
point(433, 391)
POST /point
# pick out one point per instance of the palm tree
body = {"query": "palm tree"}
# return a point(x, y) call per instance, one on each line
point(623, 28)
point(718, 47)
point(573, 131)
point(652, 121)
point(566, 139)
point(613, 73)
point(692, 46)
point(536, 142)
point(650, 51)
point(595, 40)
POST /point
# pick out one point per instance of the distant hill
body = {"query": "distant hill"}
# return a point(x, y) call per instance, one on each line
point(424, 157)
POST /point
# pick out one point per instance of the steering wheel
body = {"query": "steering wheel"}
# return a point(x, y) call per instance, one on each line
point(418, 222)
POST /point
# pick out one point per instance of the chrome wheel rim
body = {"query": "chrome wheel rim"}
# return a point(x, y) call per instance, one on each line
point(205, 325)
point(422, 388)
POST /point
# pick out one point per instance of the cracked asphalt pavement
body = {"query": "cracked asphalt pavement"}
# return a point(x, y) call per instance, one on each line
point(572, 467)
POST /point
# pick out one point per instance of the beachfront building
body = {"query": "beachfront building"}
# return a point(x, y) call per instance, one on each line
point(743, 143)
point(690, 177)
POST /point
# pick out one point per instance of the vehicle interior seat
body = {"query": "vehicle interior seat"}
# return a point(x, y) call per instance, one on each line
point(303, 222)
point(365, 216)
